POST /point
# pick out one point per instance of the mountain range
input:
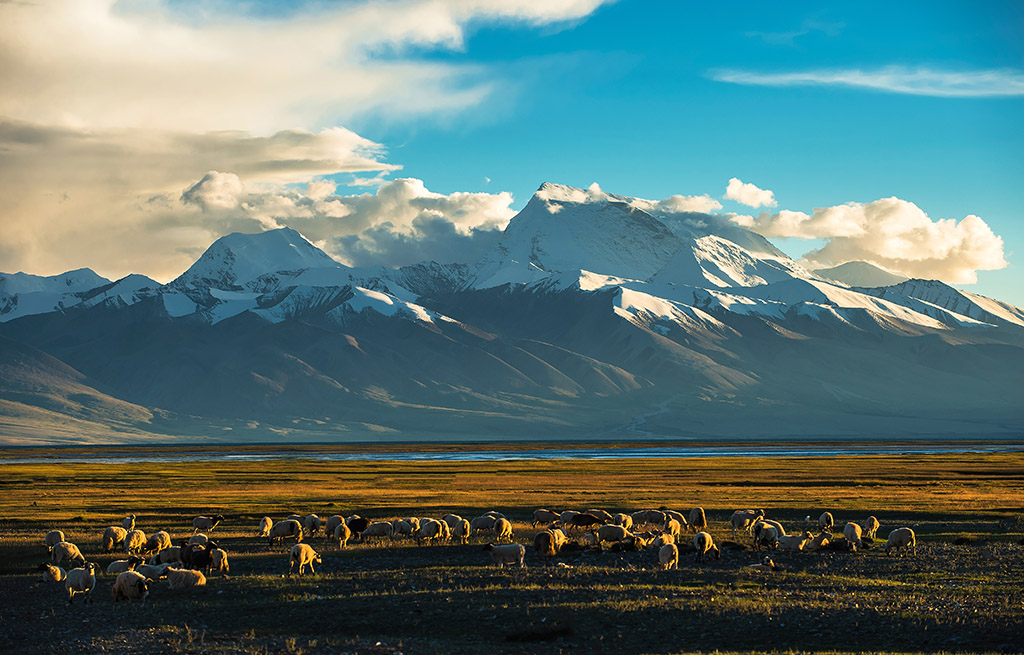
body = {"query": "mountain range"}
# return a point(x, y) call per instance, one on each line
point(596, 316)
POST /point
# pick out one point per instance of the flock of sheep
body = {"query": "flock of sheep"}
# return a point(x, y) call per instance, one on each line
point(155, 557)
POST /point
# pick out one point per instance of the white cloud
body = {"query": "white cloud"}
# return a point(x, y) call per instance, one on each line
point(895, 79)
point(749, 194)
point(215, 190)
point(892, 233)
point(689, 204)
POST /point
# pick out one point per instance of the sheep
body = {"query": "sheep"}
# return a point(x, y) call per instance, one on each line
point(403, 528)
point(759, 524)
point(166, 556)
point(462, 531)
point(565, 518)
point(157, 541)
point(312, 524)
point(826, 522)
point(744, 519)
point(652, 517)
point(495, 514)
point(852, 532)
point(819, 542)
point(698, 520)
point(265, 524)
point(66, 551)
point(135, 542)
point(610, 532)
point(206, 523)
point(122, 565)
point(379, 529)
point(507, 554)
point(639, 518)
point(668, 557)
point(659, 540)
point(900, 539)
point(294, 517)
point(870, 526)
point(357, 525)
point(452, 520)
point(795, 542)
point(153, 572)
point(767, 535)
point(303, 554)
point(198, 556)
point(704, 544)
point(331, 524)
point(53, 537)
point(219, 560)
point(183, 578)
point(283, 530)
point(199, 539)
point(503, 530)
point(625, 520)
point(601, 514)
point(482, 523)
point(80, 581)
point(673, 514)
point(544, 544)
point(673, 527)
point(130, 586)
point(52, 573)
point(764, 565)
point(544, 516)
point(584, 520)
point(430, 529)
point(128, 523)
point(342, 534)
point(113, 537)
point(589, 539)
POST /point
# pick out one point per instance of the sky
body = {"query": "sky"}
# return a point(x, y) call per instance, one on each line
point(135, 133)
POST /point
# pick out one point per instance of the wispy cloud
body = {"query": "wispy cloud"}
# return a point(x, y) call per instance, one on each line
point(994, 82)
point(789, 38)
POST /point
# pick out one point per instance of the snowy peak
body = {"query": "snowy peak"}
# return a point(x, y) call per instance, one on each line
point(236, 261)
point(75, 281)
point(861, 274)
point(949, 305)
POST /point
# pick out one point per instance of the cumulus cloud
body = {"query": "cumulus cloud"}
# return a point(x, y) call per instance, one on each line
point(689, 204)
point(892, 233)
point(749, 194)
point(215, 190)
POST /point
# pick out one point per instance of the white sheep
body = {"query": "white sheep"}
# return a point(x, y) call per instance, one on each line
point(158, 541)
point(673, 514)
point(342, 533)
point(429, 529)
point(744, 519)
point(80, 581)
point(673, 527)
point(625, 520)
point(764, 565)
point(289, 528)
point(312, 524)
point(379, 529)
point(53, 537)
point(52, 573)
point(113, 537)
point(219, 561)
point(612, 532)
point(698, 520)
point(265, 524)
point(502, 530)
point(507, 554)
point(66, 551)
point(206, 523)
point(135, 541)
point(870, 526)
point(655, 517)
point(795, 542)
point(852, 532)
point(565, 518)
point(482, 523)
point(303, 554)
point(462, 531)
point(129, 586)
point(404, 528)
point(331, 525)
point(166, 556)
point(128, 523)
point(660, 539)
point(826, 522)
point(122, 565)
point(819, 542)
point(704, 544)
point(601, 514)
point(668, 556)
point(496, 514)
point(152, 571)
point(766, 535)
point(198, 538)
point(900, 539)
point(183, 578)
point(544, 516)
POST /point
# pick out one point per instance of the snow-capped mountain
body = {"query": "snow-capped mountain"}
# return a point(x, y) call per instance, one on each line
point(595, 314)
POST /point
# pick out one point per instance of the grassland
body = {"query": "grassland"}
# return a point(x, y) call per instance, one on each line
point(951, 597)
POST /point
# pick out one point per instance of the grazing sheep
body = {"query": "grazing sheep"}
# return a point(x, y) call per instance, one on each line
point(312, 524)
point(544, 516)
point(402, 528)
point(483, 523)
point(206, 523)
point(462, 531)
point(129, 586)
point(659, 540)
point(507, 554)
point(451, 520)
point(122, 565)
point(166, 556)
point(852, 532)
point(303, 554)
point(429, 529)
point(496, 514)
point(52, 573)
point(795, 542)
point(113, 537)
point(652, 517)
point(826, 522)
point(560, 538)
point(135, 542)
point(66, 551)
point(768, 536)
point(625, 520)
point(668, 557)
point(545, 545)
point(294, 517)
point(819, 542)
point(183, 578)
point(198, 556)
point(379, 529)
point(698, 520)
point(342, 533)
point(53, 537)
point(584, 520)
point(153, 572)
point(612, 532)
point(357, 525)
point(673, 514)
point(157, 541)
point(704, 544)
point(199, 538)
point(503, 530)
point(265, 524)
point(287, 529)
point(80, 581)
point(870, 526)
point(759, 524)
point(589, 539)
point(128, 523)
point(673, 527)
point(565, 518)
point(219, 561)
point(744, 519)
point(332, 523)
point(639, 518)
point(900, 539)
point(601, 514)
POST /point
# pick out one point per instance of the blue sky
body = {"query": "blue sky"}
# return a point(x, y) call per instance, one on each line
point(172, 123)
